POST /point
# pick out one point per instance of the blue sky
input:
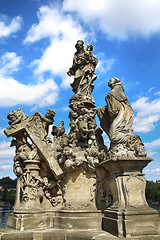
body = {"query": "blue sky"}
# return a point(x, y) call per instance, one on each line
point(37, 40)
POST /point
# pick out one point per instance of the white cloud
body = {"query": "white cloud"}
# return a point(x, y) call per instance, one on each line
point(152, 173)
point(147, 114)
point(152, 88)
point(14, 26)
point(1, 131)
point(42, 94)
point(104, 65)
point(5, 150)
point(65, 109)
point(63, 33)
point(6, 167)
point(152, 146)
point(9, 62)
point(54, 24)
point(4, 145)
point(118, 18)
point(6, 155)
point(12, 92)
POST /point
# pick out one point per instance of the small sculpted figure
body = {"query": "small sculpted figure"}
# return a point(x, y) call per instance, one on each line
point(116, 120)
point(58, 131)
point(83, 68)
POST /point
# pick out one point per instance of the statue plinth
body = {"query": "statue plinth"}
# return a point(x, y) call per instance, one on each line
point(129, 213)
point(79, 209)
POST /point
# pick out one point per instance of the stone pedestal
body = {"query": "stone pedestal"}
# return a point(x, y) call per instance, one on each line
point(79, 190)
point(129, 214)
point(79, 209)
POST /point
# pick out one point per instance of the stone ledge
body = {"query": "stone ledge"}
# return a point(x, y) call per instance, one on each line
point(65, 234)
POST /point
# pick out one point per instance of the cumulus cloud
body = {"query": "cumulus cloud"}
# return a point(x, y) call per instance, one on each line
point(6, 155)
point(10, 63)
point(65, 109)
point(63, 32)
point(42, 94)
point(5, 150)
point(12, 92)
point(1, 131)
point(14, 26)
point(147, 114)
point(118, 18)
point(152, 174)
point(6, 167)
point(153, 147)
point(104, 65)
point(154, 144)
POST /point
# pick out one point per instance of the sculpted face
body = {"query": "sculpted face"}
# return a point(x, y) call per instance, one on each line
point(79, 45)
point(50, 114)
point(89, 47)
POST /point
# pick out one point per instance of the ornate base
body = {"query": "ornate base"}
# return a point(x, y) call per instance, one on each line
point(129, 223)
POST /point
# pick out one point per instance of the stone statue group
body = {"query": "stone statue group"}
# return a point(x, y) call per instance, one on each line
point(75, 174)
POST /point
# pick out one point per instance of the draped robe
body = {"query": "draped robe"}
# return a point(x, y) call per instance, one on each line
point(116, 118)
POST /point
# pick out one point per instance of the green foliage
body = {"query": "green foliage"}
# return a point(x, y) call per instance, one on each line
point(7, 182)
point(4, 195)
point(153, 190)
point(8, 196)
point(11, 197)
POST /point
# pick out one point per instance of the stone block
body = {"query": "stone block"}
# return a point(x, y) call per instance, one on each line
point(30, 221)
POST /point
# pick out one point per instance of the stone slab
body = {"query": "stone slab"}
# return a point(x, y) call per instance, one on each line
point(63, 234)
point(31, 221)
point(78, 220)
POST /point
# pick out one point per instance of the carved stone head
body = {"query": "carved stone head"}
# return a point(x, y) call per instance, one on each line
point(113, 81)
point(16, 116)
point(79, 45)
point(50, 114)
point(89, 47)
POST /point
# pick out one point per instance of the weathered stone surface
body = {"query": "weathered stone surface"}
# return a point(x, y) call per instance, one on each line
point(131, 223)
point(81, 219)
point(83, 67)
point(31, 220)
point(129, 213)
point(116, 119)
point(69, 234)
point(36, 128)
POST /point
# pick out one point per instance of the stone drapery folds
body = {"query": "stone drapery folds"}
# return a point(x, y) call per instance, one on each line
point(116, 119)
